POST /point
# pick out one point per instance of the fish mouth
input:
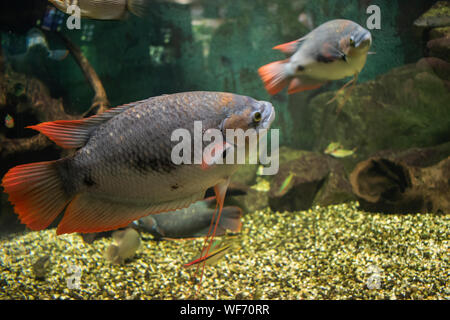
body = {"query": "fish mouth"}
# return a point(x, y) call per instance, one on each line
point(363, 40)
point(268, 115)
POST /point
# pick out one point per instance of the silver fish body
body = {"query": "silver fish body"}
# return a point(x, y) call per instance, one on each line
point(190, 222)
point(316, 57)
point(123, 169)
point(335, 50)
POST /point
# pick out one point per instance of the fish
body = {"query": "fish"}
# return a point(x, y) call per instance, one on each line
point(336, 149)
point(217, 251)
point(190, 222)
point(122, 169)
point(286, 185)
point(342, 153)
point(334, 50)
point(9, 121)
point(35, 39)
point(105, 9)
point(306, 20)
point(127, 242)
point(333, 146)
point(262, 185)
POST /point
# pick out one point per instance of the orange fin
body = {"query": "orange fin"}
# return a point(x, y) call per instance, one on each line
point(87, 213)
point(297, 85)
point(75, 133)
point(65, 133)
point(37, 193)
point(274, 76)
point(289, 47)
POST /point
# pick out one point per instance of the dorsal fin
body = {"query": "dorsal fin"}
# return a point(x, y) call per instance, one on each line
point(75, 133)
point(290, 47)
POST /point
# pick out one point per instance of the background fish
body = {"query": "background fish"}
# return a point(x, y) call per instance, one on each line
point(105, 9)
point(36, 38)
point(123, 170)
point(334, 50)
point(126, 244)
point(190, 222)
point(37, 47)
point(217, 251)
point(9, 121)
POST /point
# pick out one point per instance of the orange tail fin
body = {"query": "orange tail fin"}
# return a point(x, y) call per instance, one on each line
point(274, 76)
point(37, 193)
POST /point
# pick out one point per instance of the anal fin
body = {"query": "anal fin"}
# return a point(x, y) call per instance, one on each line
point(87, 213)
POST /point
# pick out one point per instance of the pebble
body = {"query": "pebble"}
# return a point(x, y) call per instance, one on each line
point(323, 253)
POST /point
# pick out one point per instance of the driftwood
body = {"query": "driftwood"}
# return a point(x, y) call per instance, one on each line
point(100, 102)
point(392, 186)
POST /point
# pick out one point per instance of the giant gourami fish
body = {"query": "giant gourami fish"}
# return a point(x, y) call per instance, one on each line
point(335, 50)
point(122, 170)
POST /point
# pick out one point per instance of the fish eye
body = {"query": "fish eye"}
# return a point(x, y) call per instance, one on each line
point(257, 116)
point(352, 41)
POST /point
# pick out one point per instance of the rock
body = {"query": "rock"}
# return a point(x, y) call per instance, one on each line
point(246, 174)
point(336, 188)
point(439, 48)
point(41, 267)
point(442, 32)
point(404, 108)
point(251, 202)
point(437, 16)
point(313, 178)
point(417, 157)
point(431, 64)
point(384, 185)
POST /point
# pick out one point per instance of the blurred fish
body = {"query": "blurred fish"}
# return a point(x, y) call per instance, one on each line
point(342, 153)
point(36, 39)
point(9, 121)
point(286, 185)
point(306, 20)
point(127, 242)
point(123, 170)
point(333, 51)
point(190, 222)
point(218, 250)
point(105, 9)
point(261, 185)
point(337, 150)
point(333, 146)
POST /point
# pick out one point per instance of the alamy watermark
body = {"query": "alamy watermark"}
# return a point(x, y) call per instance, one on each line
point(374, 279)
point(238, 144)
point(74, 281)
point(74, 20)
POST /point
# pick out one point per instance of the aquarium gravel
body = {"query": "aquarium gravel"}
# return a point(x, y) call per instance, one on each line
point(335, 252)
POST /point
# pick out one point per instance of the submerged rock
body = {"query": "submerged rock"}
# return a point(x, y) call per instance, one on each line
point(311, 179)
point(384, 185)
point(41, 267)
point(439, 48)
point(437, 16)
point(404, 108)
